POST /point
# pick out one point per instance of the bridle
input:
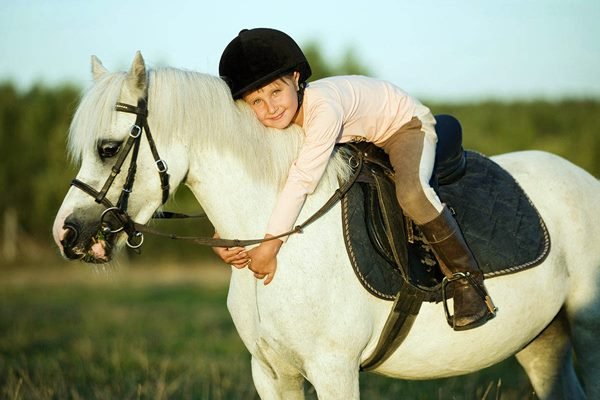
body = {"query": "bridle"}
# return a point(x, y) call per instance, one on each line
point(135, 238)
point(117, 214)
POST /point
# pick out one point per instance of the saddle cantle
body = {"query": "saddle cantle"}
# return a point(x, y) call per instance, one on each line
point(387, 250)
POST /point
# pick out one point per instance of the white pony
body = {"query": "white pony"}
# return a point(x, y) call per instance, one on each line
point(315, 321)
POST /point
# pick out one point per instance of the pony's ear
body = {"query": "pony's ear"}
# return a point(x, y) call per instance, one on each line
point(97, 68)
point(136, 77)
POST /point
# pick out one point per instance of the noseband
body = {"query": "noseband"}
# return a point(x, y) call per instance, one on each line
point(119, 211)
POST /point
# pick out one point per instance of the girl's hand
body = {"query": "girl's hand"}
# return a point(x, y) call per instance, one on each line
point(234, 256)
point(263, 259)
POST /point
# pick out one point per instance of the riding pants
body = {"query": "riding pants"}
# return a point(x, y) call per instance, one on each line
point(411, 151)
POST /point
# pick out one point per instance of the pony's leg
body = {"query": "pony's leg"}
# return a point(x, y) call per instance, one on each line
point(271, 384)
point(334, 378)
point(548, 362)
point(585, 326)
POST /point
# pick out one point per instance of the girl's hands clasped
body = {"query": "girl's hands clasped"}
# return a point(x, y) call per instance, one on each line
point(262, 260)
point(235, 256)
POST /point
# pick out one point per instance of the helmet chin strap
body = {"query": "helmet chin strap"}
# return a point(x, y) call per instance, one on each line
point(300, 93)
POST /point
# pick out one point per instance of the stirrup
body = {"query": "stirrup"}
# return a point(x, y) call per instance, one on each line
point(471, 281)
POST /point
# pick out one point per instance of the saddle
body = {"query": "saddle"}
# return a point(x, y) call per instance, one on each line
point(389, 253)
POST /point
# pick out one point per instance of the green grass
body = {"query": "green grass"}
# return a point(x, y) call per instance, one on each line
point(155, 335)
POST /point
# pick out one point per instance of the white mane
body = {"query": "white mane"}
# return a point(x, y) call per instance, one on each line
point(198, 109)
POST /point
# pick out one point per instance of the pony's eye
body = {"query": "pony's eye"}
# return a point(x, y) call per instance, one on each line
point(108, 148)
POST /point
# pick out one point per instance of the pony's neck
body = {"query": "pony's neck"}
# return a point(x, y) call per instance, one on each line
point(236, 205)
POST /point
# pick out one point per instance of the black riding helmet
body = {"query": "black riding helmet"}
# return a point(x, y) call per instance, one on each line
point(258, 56)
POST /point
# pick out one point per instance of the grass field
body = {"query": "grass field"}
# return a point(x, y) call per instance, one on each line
point(67, 332)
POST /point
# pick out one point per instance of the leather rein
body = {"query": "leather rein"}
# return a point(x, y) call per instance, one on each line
point(117, 214)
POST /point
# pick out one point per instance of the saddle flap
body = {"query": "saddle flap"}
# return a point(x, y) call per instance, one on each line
point(385, 221)
point(383, 217)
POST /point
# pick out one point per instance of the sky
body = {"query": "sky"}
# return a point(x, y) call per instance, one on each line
point(437, 50)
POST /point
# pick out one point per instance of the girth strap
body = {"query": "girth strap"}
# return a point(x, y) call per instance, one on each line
point(398, 324)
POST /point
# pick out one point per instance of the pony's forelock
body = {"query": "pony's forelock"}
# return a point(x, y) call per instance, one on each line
point(94, 115)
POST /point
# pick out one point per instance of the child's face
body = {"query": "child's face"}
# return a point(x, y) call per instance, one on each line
point(276, 103)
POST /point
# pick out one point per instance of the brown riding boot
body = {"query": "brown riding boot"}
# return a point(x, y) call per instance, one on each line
point(472, 304)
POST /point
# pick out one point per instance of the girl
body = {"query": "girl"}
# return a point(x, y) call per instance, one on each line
point(268, 70)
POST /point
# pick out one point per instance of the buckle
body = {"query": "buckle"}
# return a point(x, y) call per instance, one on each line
point(105, 226)
point(135, 132)
point(139, 236)
point(161, 165)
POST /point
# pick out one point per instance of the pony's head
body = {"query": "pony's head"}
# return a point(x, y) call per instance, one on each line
point(119, 171)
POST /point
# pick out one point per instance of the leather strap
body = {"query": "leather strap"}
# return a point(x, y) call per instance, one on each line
point(398, 324)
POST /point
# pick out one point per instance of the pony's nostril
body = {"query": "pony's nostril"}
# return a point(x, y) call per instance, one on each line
point(70, 237)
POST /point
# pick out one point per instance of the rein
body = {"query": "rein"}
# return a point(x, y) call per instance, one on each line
point(135, 231)
point(214, 242)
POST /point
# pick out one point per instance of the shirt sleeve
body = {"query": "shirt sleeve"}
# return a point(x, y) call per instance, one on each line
point(323, 127)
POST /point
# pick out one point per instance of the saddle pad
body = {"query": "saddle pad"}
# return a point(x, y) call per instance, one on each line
point(502, 227)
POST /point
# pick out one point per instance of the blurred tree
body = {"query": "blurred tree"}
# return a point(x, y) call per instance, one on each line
point(34, 173)
point(320, 67)
point(9, 112)
point(569, 128)
point(349, 65)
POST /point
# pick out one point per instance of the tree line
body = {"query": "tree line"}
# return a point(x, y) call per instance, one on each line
point(35, 170)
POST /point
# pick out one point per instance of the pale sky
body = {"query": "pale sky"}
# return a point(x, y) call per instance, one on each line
point(435, 50)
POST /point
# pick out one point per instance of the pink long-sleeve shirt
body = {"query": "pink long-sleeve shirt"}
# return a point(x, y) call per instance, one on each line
point(338, 110)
